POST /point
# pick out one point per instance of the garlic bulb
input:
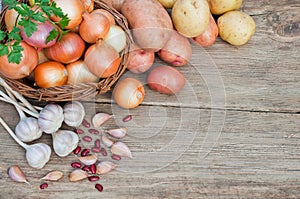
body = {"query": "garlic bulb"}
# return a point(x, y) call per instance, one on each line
point(64, 142)
point(73, 113)
point(38, 155)
point(51, 118)
point(28, 129)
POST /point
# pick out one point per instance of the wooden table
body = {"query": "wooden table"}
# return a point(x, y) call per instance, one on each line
point(233, 132)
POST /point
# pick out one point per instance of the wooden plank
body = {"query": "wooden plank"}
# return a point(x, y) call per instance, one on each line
point(263, 75)
point(256, 156)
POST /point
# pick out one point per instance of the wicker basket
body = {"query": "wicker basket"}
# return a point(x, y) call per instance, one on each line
point(78, 91)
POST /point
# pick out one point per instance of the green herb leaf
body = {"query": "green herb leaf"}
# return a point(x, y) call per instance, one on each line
point(15, 54)
point(29, 26)
point(64, 22)
point(15, 34)
point(38, 16)
point(2, 35)
point(3, 50)
point(52, 35)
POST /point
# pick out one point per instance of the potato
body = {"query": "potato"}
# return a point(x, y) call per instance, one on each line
point(190, 17)
point(177, 51)
point(140, 60)
point(218, 7)
point(150, 22)
point(167, 3)
point(209, 36)
point(166, 80)
point(236, 27)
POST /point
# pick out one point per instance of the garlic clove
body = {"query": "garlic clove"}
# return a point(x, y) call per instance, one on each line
point(51, 118)
point(16, 174)
point(64, 142)
point(117, 133)
point(53, 176)
point(28, 130)
point(73, 113)
point(105, 167)
point(38, 155)
point(77, 175)
point(121, 149)
point(89, 159)
point(99, 118)
point(106, 141)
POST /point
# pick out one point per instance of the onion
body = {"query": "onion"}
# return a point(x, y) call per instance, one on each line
point(102, 60)
point(38, 38)
point(73, 8)
point(10, 19)
point(50, 74)
point(108, 15)
point(88, 5)
point(28, 62)
point(93, 27)
point(116, 38)
point(129, 93)
point(79, 73)
point(69, 49)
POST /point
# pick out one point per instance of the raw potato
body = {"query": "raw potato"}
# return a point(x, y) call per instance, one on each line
point(218, 7)
point(167, 3)
point(139, 60)
point(209, 36)
point(177, 51)
point(190, 17)
point(150, 23)
point(236, 27)
point(166, 80)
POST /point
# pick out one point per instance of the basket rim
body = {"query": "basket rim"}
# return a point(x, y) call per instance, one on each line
point(78, 91)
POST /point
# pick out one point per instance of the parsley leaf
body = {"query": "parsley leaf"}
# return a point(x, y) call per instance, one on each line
point(2, 35)
point(29, 26)
point(15, 34)
point(3, 50)
point(52, 35)
point(15, 54)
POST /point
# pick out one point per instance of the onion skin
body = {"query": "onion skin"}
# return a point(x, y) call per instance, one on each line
point(50, 74)
point(18, 71)
point(102, 60)
point(73, 8)
point(69, 49)
point(108, 15)
point(79, 73)
point(38, 38)
point(129, 93)
point(93, 27)
point(166, 80)
point(10, 18)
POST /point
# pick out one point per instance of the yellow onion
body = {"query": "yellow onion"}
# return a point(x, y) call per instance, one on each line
point(28, 62)
point(79, 73)
point(129, 93)
point(116, 37)
point(88, 5)
point(10, 19)
point(93, 27)
point(69, 49)
point(102, 60)
point(50, 74)
point(73, 8)
point(108, 15)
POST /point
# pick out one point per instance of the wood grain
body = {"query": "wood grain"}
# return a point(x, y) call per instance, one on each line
point(233, 132)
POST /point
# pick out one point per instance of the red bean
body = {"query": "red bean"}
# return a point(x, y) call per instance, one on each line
point(85, 152)
point(95, 149)
point(97, 143)
point(86, 168)
point(87, 138)
point(127, 118)
point(93, 131)
point(76, 164)
point(86, 124)
point(99, 187)
point(93, 168)
point(103, 151)
point(77, 150)
point(93, 178)
point(79, 131)
point(44, 185)
point(116, 157)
